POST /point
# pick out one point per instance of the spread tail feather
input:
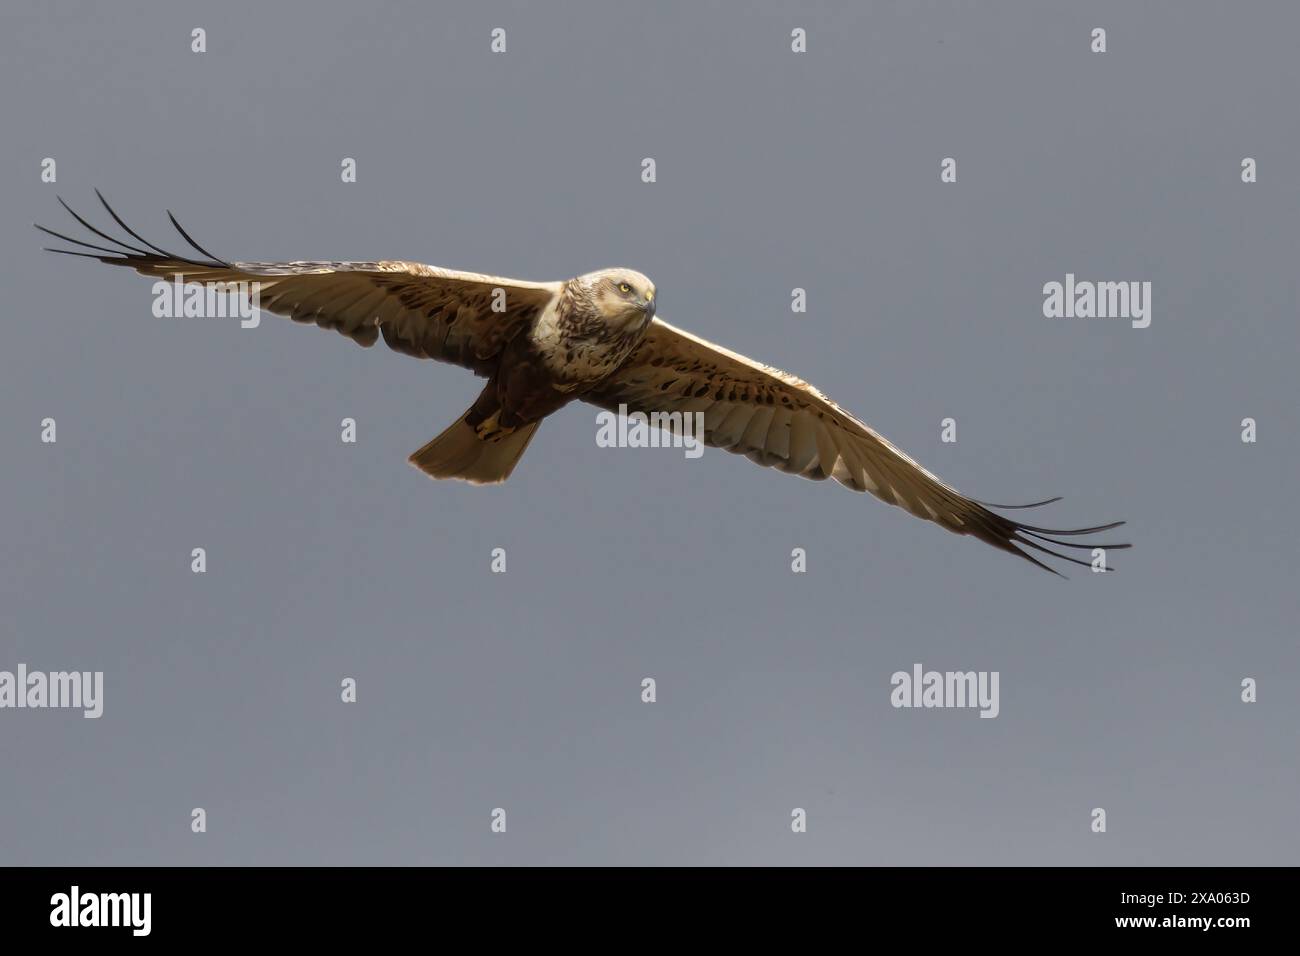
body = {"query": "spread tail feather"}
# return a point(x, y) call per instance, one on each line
point(482, 456)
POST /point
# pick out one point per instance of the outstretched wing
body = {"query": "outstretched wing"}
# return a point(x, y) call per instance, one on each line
point(780, 421)
point(460, 317)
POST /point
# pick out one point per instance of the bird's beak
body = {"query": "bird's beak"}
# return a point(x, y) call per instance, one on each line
point(650, 304)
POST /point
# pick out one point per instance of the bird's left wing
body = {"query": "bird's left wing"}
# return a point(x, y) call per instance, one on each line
point(780, 421)
point(464, 318)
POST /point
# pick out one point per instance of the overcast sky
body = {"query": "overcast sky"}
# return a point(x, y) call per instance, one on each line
point(522, 691)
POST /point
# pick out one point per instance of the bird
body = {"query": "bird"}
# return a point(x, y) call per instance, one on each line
point(593, 338)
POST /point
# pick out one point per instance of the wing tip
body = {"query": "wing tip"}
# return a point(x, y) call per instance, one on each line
point(1015, 536)
point(125, 252)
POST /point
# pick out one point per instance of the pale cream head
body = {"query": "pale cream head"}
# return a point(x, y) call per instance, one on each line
point(620, 294)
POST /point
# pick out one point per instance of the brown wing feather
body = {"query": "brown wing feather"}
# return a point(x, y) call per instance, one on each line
point(420, 310)
point(780, 421)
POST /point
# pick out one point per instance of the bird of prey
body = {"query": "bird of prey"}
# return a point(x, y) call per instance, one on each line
point(595, 338)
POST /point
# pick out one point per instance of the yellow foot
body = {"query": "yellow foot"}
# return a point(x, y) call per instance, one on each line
point(490, 428)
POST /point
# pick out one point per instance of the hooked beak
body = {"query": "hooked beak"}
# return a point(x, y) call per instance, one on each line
point(649, 306)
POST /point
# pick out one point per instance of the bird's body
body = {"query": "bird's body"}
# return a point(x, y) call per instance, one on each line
point(578, 339)
point(595, 338)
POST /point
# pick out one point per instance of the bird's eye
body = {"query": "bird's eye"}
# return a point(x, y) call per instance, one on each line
point(624, 287)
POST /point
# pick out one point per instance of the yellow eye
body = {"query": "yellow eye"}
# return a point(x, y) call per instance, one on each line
point(624, 287)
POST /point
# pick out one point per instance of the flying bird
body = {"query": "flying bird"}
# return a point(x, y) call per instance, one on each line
point(594, 338)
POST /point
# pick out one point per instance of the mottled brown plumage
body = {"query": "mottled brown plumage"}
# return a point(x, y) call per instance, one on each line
point(542, 345)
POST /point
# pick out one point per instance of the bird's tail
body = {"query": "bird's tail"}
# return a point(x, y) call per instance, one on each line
point(477, 448)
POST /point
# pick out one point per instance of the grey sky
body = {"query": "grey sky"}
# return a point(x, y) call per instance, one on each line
point(522, 690)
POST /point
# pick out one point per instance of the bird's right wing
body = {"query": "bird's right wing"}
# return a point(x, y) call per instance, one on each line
point(459, 317)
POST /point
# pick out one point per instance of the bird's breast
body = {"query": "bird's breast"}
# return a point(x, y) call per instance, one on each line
point(579, 353)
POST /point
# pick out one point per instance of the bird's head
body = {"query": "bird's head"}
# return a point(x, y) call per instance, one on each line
point(620, 296)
